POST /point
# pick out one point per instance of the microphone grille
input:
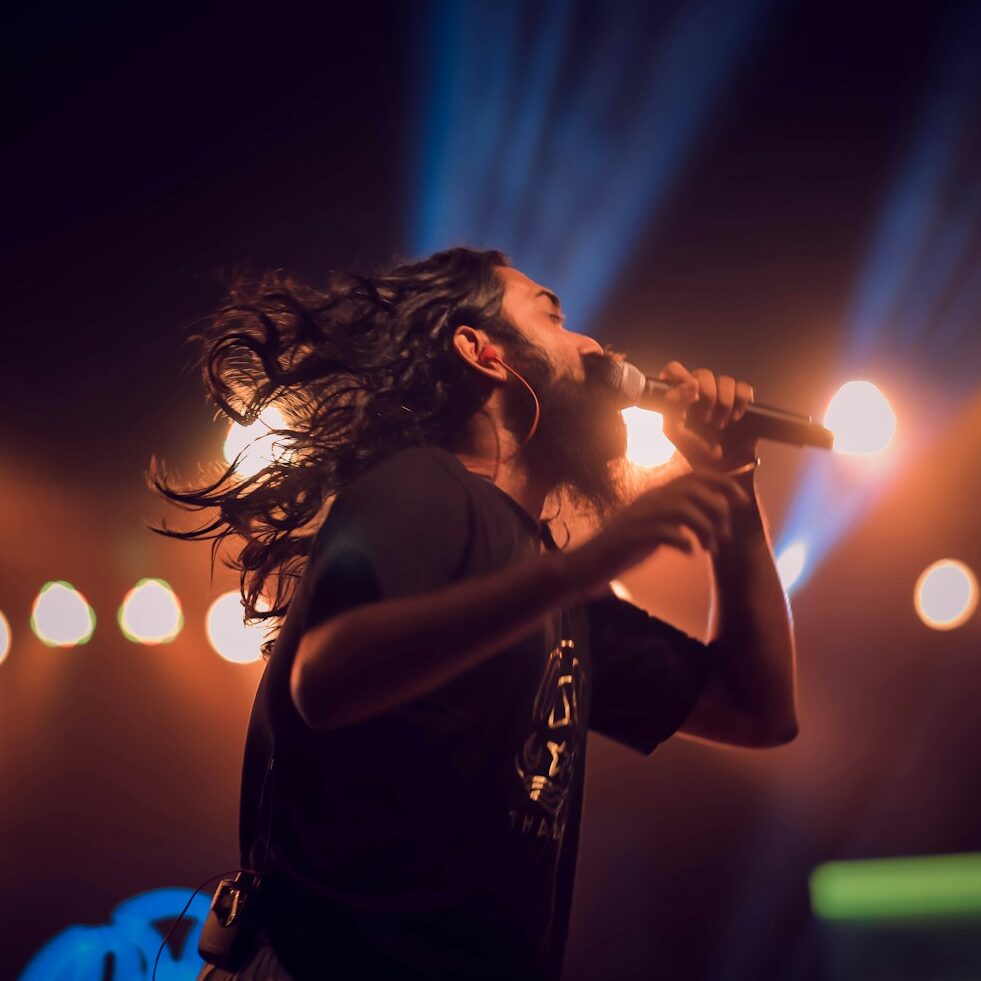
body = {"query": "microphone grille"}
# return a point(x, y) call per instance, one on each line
point(626, 380)
point(632, 384)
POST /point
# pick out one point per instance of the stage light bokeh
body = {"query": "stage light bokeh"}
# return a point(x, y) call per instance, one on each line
point(259, 444)
point(150, 613)
point(227, 632)
point(647, 446)
point(566, 176)
point(861, 418)
point(892, 889)
point(61, 616)
point(946, 594)
point(791, 563)
point(5, 638)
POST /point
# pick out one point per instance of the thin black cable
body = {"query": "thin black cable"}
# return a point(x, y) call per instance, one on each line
point(220, 875)
point(258, 873)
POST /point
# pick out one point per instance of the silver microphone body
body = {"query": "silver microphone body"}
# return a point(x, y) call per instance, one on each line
point(633, 387)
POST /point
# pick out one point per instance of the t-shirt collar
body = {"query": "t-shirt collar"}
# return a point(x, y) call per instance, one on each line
point(539, 529)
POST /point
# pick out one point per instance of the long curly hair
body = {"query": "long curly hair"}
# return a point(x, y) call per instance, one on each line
point(359, 369)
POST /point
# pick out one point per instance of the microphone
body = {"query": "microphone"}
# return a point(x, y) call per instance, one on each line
point(633, 387)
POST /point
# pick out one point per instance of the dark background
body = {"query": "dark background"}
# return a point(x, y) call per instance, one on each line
point(150, 150)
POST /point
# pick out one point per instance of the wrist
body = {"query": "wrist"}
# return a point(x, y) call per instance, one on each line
point(576, 572)
point(747, 519)
point(747, 480)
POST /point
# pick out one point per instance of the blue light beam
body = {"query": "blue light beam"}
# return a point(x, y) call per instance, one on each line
point(561, 151)
point(919, 287)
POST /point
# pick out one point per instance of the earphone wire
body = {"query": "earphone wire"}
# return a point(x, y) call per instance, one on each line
point(259, 873)
point(538, 408)
point(268, 776)
point(183, 912)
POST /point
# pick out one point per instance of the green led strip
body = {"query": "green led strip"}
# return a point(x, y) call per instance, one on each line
point(898, 888)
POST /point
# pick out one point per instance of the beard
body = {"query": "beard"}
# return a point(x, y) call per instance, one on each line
point(580, 443)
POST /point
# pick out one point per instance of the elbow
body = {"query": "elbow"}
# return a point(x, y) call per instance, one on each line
point(778, 735)
point(307, 690)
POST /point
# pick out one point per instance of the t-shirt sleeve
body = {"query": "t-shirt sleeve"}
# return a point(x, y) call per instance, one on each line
point(647, 674)
point(401, 529)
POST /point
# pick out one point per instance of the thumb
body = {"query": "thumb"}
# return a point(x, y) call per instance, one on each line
point(682, 392)
point(694, 448)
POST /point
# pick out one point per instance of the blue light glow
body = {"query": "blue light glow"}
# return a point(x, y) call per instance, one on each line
point(555, 133)
point(126, 947)
point(929, 219)
point(919, 292)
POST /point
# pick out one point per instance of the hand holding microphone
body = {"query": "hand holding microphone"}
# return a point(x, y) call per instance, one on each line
point(698, 409)
point(716, 423)
point(726, 421)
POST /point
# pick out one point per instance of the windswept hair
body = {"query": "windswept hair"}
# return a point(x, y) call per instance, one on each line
point(359, 368)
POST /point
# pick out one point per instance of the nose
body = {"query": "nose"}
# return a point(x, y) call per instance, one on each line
point(589, 345)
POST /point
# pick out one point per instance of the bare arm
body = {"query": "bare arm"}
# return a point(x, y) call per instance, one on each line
point(379, 655)
point(751, 700)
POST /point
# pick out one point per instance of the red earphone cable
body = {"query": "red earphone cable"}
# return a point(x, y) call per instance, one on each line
point(490, 354)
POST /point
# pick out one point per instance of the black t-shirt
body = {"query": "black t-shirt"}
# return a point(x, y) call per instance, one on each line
point(438, 840)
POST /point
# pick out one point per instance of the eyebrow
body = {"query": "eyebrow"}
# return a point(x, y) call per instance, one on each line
point(551, 296)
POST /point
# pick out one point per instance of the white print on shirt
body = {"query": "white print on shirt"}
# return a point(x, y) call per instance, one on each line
point(546, 764)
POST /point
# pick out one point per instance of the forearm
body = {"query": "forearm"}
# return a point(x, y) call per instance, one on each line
point(752, 622)
point(380, 655)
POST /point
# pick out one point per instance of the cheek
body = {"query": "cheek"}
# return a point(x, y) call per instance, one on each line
point(543, 339)
point(566, 364)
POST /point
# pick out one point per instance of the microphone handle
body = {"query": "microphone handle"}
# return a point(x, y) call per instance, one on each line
point(760, 421)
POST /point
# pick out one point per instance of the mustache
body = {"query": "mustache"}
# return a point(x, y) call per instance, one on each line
point(596, 368)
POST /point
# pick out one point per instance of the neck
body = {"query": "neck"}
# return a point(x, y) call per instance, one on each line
point(490, 450)
point(513, 480)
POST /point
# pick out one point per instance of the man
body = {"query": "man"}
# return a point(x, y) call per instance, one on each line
point(427, 701)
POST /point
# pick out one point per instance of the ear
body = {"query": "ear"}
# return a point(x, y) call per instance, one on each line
point(469, 343)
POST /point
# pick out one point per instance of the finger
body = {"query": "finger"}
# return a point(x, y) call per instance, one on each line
point(717, 509)
point(723, 482)
point(708, 393)
point(724, 403)
point(677, 539)
point(685, 385)
point(714, 503)
point(675, 371)
point(691, 517)
point(744, 396)
point(683, 395)
point(695, 444)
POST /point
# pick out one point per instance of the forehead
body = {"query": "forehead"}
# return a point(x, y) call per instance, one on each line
point(518, 286)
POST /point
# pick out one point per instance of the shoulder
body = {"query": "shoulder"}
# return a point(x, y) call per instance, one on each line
point(429, 461)
point(411, 491)
point(402, 526)
point(417, 472)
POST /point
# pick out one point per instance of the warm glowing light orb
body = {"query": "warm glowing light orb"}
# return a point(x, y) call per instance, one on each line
point(260, 445)
point(61, 616)
point(5, 637)
point(790, 564)
point(861, 418)
point(227, 632)
point(621, 591)
point(150, 613)
point(946, 594)
point(647, 446)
